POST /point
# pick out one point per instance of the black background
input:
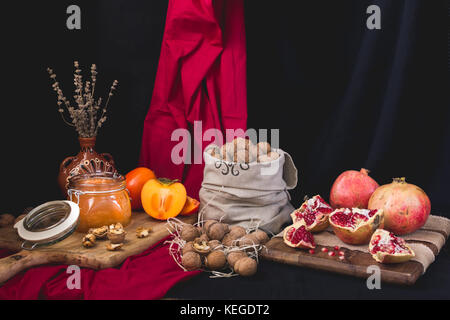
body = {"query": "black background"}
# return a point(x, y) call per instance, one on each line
point(343, 97)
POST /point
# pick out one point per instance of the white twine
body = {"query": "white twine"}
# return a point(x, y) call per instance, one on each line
point(200, 214)
point(175, 226)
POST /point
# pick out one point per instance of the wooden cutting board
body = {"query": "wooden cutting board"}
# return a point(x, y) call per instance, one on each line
point(354, 264)
point(70, 251)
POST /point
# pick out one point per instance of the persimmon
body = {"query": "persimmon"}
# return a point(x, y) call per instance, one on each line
point(190, 207)
point(163, 198)
point(135, 182)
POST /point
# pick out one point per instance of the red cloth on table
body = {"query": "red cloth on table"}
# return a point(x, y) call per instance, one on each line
point(148, 275)
point(201, 77)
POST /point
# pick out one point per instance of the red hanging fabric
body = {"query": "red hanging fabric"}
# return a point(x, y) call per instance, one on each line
point(201, 77)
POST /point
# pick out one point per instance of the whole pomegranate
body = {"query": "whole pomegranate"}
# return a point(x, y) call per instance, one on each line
point(406, 206)
point(352, 189)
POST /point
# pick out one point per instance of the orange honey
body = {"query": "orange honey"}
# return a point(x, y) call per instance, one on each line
point(102, 198)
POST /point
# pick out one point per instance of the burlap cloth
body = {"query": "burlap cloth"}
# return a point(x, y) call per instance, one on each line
point(433, 234)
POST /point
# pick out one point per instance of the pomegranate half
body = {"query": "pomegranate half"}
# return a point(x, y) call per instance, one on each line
point(352, 189)
point(313, 213)
point(297, 236)
point(356, 226)
point(385, 247)
point(406, 206)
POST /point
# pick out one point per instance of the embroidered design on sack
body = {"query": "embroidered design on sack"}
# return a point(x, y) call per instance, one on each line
point(230, 167)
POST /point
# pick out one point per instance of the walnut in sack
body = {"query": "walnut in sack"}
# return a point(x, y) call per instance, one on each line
point(263, 148)
point(271, 156)
point(241, 144)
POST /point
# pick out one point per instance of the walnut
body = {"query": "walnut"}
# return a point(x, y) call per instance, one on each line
point(191, 261)
point(116, 233)
point(189, 233)
point(201, 246)
point(114, 246)
point(215, 230)
point(261, 236)
point(188, 247)
point(117, 226)
point(234, 256)
point(263, 148)
point(99, 233)
point(246, 267)
point(235, 233)
point(6, 220)
point(241, 144)
point(88, 241)
point(204, 237)
point(216, 260)
point(271, 156)
point(215, 244)
point(143, 232)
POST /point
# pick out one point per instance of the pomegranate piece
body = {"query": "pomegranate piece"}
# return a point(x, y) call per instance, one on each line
point(313, 213)
point(324, 249)
point(297, 236)
point(406, 206)
point(356, 226)
point(385, 247)
point(331, 253)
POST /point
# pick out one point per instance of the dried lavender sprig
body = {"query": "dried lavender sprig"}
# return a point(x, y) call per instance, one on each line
point(61, 98)
point(102, 118)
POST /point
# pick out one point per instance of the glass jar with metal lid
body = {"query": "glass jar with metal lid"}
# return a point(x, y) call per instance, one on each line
point(102, 198)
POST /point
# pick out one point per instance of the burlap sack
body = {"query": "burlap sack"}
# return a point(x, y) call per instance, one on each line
point(248, 194)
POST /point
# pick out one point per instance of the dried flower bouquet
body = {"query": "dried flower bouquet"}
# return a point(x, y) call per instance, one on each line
point(88, 114)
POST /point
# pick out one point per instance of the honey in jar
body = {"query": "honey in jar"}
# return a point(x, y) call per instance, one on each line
point(103, 199)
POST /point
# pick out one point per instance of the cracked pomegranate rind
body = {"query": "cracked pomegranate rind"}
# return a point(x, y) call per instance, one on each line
point(297, 236)
point(314, 213)
point(356, 226)
point(385, 247)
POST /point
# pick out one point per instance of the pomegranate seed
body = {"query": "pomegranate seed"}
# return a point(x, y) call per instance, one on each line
point(336, 248)
point(331, 253)
point(341, 257)
point(312, 251)
point(341, 253)
point(324, 250)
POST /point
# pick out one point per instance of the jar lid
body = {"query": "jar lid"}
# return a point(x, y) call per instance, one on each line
point(47, 224)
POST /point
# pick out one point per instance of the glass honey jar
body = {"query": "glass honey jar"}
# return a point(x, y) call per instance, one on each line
point(102, 198)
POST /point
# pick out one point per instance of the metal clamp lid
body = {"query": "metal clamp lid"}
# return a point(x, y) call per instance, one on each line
point(48, 223)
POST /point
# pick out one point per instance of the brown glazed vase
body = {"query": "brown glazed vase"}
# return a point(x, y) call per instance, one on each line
point(86, 161)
